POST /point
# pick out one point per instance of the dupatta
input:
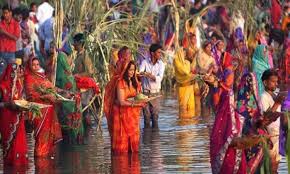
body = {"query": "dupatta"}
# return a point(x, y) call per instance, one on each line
point(260, 64)
point(110, 90)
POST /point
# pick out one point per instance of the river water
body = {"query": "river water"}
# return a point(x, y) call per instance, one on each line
point(178, 146)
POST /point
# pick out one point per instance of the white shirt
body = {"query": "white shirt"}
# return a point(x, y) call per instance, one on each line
point(267, 103)
point(44, 12)
point(46, 33)
point(157, 70)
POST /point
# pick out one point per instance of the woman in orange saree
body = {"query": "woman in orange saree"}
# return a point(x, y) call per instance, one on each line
point(123, 115)
point(47, 129)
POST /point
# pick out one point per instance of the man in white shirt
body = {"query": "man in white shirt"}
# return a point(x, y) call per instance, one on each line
point(44, 12)
point(152, 71)
point(271, 102)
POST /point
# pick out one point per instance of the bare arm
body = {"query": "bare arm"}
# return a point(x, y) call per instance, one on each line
point(11, 36)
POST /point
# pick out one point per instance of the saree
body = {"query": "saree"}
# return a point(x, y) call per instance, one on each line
point(276, 13)
point(12, 127)
point(260, 64)
point(47, 130)
point(249, 108)
point(185, 85)
point(123, 121)
point(70, 116)
point(224, 158)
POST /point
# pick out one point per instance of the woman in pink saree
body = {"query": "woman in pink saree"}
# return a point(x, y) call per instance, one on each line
point(227, 146)
point(225, 158)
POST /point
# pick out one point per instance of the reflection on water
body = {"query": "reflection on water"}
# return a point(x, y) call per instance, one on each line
point(178, 146)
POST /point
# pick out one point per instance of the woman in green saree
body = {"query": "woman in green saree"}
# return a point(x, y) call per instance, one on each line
point(70, 115)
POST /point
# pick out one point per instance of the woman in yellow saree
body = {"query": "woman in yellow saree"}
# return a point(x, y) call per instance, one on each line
point(185, 83)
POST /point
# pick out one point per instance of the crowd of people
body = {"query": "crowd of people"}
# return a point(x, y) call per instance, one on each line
point(229, 73)
point(60, 89)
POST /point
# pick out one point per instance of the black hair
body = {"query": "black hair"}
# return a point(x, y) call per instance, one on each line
point(25, 14)
point(32, 4)
point(122, 50)
point(6, 7)
point(80, 38)
point(288, 25)
point(196, 2)
point(155, 47)
point(268, 74)
point(133, 79)
point(17, 11)
point(205, 44)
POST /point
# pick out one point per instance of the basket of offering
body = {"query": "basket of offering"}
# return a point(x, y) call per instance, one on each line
point(26, 104)
point(141, 98)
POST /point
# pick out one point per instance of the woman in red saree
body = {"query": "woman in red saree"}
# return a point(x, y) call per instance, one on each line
point(123, 115)
point(12, 127)
point(47, 129)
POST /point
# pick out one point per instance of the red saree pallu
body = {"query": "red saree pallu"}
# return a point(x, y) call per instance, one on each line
point(12, 123)
point(47, 130)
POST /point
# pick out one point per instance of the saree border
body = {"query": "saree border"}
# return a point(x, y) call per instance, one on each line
point(12, 135)
point(221, 155)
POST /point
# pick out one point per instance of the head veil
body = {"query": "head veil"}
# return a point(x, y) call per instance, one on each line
point(110, 89)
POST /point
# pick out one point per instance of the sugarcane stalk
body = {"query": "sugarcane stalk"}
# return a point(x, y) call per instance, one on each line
point(177, 22)
point(14, 86)
point(90, 103)
point(58, 24)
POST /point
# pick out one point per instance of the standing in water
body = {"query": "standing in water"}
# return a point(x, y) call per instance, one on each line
point(12, 127)
point(123, 115)
point(83, 67)
point(250, 108)
point(152, 71)
point(226, 148)
point(271, 102)
point(206, 64)
point(185, 83)
point(190, 42)
point(69, 114)
point(47, 128)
